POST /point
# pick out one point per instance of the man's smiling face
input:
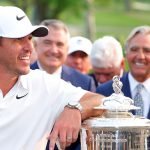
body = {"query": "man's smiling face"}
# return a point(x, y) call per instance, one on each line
point(138, 56)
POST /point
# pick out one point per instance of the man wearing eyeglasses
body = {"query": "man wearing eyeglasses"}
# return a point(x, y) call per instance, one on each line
point(107, 59)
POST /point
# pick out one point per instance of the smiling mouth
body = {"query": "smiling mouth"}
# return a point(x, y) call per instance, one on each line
point(25, 58)
point(138, 64)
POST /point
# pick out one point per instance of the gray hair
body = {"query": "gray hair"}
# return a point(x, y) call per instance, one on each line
point(56, 24)
point(138, 30)
point(106, 52)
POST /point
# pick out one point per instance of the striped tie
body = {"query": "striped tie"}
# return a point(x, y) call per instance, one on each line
point(138, 101)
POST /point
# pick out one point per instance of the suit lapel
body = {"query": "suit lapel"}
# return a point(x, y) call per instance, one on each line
point(65, 73)
point(126, 86)
point(34, 66)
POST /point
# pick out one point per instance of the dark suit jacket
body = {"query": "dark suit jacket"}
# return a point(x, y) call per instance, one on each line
point(95, 81)
point(106, 89)
point(79, 80)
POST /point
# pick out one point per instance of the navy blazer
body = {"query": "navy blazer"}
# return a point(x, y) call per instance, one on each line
point(79, 80)
point(106, 89)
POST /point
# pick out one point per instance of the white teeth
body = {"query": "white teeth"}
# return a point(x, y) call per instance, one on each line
point(139, 64)
point(25, 57)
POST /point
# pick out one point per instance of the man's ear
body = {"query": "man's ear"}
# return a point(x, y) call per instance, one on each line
point(123, 63)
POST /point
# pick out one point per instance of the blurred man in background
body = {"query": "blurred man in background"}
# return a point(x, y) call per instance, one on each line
point(78, 54)
point(107, 59)
point(137, 49)
point(52, 52)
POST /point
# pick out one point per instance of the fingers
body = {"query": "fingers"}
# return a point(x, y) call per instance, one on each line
point(72, 136)
point(68, 139)
point(53, 138)
point(63, 139)
point(66, 128)
point(75, 136)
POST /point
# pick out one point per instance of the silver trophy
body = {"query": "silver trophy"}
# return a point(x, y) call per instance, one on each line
point(117, 101)
point(117, 128)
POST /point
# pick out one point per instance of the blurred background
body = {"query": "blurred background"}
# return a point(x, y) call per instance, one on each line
point(89, 18)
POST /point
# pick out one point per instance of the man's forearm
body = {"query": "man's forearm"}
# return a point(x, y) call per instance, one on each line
point(88, 102)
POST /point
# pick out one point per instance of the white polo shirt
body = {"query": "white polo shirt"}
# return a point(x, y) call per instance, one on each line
point(30, 108)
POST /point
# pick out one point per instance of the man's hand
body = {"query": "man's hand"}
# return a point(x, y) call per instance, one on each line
point(66, 128)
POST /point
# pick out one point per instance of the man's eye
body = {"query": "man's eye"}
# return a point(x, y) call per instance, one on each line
point(30, 37)
point(133, 49)
point(47, 42)
point(60, 44)
point(147, 50)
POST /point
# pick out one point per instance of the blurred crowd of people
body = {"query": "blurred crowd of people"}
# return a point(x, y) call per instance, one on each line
point(92, 65)
point(56, 51)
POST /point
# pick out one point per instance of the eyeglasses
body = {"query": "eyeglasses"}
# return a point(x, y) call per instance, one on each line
point(104, 74)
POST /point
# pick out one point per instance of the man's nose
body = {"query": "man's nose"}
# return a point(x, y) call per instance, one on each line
point(102, 78)
point(141, 54)
point(28, 45)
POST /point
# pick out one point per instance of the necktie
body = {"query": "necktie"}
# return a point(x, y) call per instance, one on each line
point(138, 100)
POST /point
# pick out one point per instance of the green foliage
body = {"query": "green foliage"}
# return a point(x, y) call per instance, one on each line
point(110, 15)
point(58, 7)
point(103, 3)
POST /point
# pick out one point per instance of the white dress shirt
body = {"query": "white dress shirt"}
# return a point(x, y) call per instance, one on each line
point(57, 73)
point(145, 92)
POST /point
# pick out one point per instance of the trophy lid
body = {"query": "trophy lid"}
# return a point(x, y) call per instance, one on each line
point(117, 101)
